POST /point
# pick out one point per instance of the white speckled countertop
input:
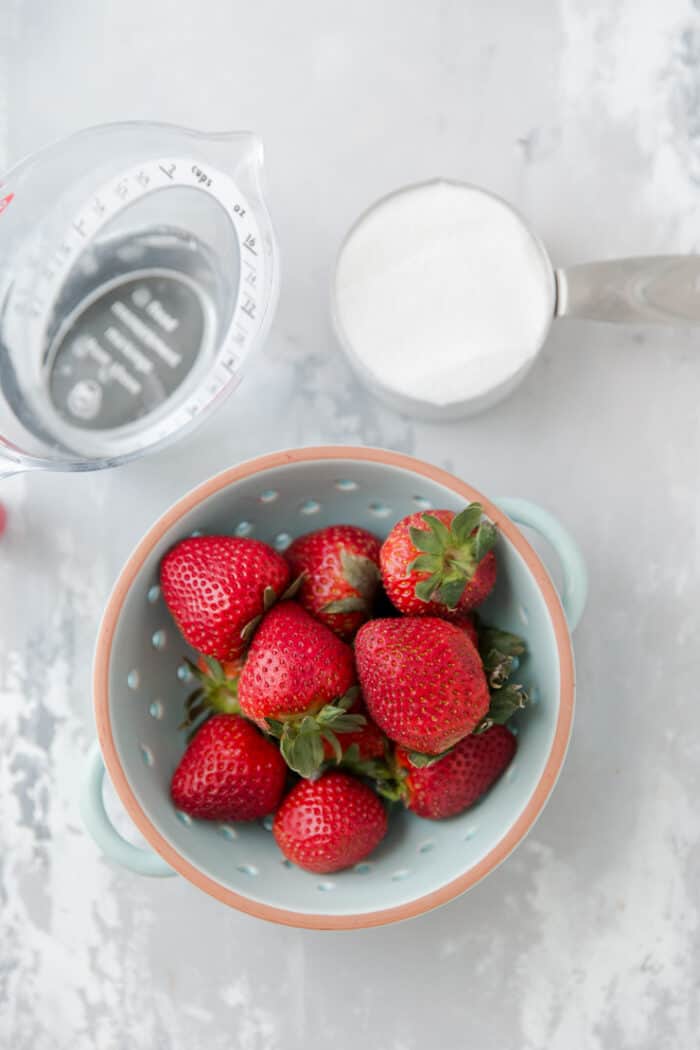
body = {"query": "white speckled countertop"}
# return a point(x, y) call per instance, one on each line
point(586, 115)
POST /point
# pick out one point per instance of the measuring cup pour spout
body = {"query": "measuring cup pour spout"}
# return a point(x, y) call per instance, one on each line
point(132, 294)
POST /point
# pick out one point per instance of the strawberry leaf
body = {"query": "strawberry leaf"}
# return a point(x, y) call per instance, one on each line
point(346, 605)
point(332, 739)
point(349, 698)
point(195, 729)
point(498, 668)
point(215, 668)
point(336, 717)
point(347, 723)
point(424, 563)
point(250, 629)
point(485, 539)
point(505, 642)
point(302, 747)
point(451, 591)
point(427, 588)
point(421, 760)
point(293, 588)
point(377, 769)
point(439, 529)
point(464, 524)
point(269, 598)
point(360, 573)
point(425, 540)
point(194, 698)
point(504, 703)
point(275, 727)
point(193, 714)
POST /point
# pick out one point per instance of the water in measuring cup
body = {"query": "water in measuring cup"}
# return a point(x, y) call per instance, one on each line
point(131, 337)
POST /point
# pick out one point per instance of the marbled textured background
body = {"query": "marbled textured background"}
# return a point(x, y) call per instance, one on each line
point(586, 114)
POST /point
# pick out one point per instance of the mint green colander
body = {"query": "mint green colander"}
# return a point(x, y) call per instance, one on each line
point(141, 682)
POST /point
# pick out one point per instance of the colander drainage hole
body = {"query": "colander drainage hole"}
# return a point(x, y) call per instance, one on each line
point(268, 496)
point(159, 639)
point(381, 510)
point(281, 541)
point(426, 847)
point(228, 832)
point(325, 887)
point(512, 771)
point(471, 832)
point(184, 673)
point(133, 679)
point(147, 755)
point(524, 615)
point(310, 506)
point(422, 503)
point(196, 532)
point(247, 869)
point(400, 875)
point(244, 528)
point(345, 485)
point(154, 594)
point(362, 869)
point(286, 863)
point(184, 818)
point(267, 823)
point(156, 710)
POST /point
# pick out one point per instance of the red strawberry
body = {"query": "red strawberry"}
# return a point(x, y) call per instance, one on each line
point(439, 564)
point(230, 771)
point(460, 778)
point(422, 681)
point(297, 683)
point(467, 624)
point(340, 566)
point(218, 587)
point(331, 823)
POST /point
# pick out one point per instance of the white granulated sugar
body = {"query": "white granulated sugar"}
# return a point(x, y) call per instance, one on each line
point(442, 293)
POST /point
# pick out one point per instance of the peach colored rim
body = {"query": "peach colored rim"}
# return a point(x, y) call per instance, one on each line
point(281, 915)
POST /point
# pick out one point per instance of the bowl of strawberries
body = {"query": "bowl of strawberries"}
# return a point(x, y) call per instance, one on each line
point(334, 687)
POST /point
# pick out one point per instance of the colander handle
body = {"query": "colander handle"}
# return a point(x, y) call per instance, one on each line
point(575, 588)
point(100, 827)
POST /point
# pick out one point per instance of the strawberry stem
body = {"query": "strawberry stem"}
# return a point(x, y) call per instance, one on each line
point(301, 736)
point(450, 555)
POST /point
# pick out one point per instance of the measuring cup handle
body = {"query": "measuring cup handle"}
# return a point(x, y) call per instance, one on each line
point(100, 827)
point(660, 289)
point(575, 589)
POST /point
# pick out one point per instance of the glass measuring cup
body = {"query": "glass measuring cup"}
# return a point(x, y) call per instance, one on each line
point(138, 273)
point(377, 267)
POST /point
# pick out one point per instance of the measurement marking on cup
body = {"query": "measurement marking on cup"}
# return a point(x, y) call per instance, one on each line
point(250, 244)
